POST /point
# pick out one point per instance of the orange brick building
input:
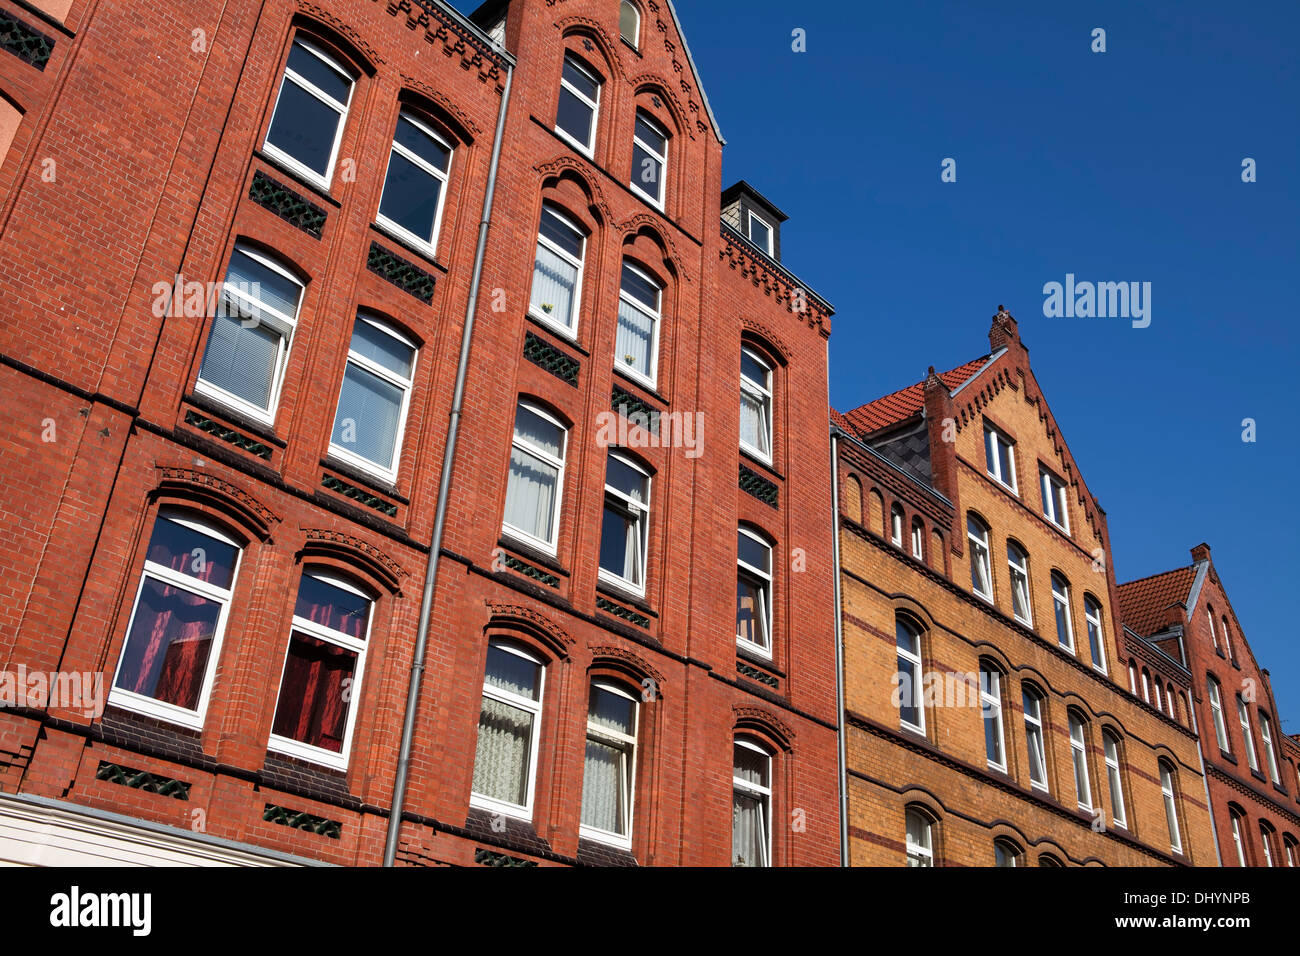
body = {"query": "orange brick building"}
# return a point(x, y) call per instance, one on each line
point(1250, 765)
point(236, 283)
point(987, 720)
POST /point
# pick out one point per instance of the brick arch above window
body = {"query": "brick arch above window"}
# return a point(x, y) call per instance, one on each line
point(213, 496)
point(513, 621)
point(764, 725)
point(354, 558)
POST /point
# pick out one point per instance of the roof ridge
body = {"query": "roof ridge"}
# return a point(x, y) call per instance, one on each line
point(1122, 584)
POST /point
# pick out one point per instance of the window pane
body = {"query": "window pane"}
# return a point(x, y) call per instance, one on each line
point(314, 698)
point(602, 787)
point(559, 232)
point(750, 766)
point(304, 127)
point(754, 553)
point(640, 288)
point(910, 687)
point(635, 339)
point(320, 74)
point(192, 553)
point(554, 281)
point(322, 603)
point(257, 281)
point(754, 370)
point(410, 196)
point(574, 116)
point(751, 611)
point(539, 431)
point(619, 544)
point(166, 653)
point(381, 348)
point(241, 360)
point(748, 832)
point(422, 144)
point(579, 79)
point(651, 136)
point(512, 673)
point(611, 711)
point(753, 421)
point(759, 234)
point(647, 171)
point(530, 494)
point(624, 478)
point(369, 413)
point(502, 753)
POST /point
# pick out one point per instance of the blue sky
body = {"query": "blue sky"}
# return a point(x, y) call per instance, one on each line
point(1116, 166)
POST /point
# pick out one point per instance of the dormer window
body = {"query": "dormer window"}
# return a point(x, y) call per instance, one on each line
point(759, 232)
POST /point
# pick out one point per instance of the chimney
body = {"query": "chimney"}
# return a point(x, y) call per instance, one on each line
point(1201, 553)
point(1004, 333)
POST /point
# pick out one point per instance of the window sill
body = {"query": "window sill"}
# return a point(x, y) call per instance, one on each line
point(219, 408)
point(610, 589)
point(640, 381)
point(568, 338)
point(353, 473)
point(532, 553)
point(305, 182)
point(425, 255)
point(1258, 776)
point(765, 465)
point(1225, 755)
point(750, 654)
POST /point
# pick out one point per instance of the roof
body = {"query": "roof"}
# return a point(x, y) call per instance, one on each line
point(839, 421)
point(906, 402)
point(1144, 603)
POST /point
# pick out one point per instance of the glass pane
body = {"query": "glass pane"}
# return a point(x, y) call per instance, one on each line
point(554, 281)
point(993, 736)
point(578, 79)
point(317, 72)
point(647, 172)
point(192, 553)
point(759, 234)
point(384, 350)
point(539, 431)
point(1062, 623)
point(751, 611)
point(909, 692)
point(530, 494)
point(635, 338)
point(612, 711)
point(748, 830)
point(166, 652)
point(314, 698)
point(754, 370)
point(618, 544)
point(750, 765)
point(241, 360)
point(602, 787)
point(410, 196)
point(304, 127)
point(1004, 462)
point(512, 673)
point(907, 641)
point(559, 232)
point(574, 117)
point(502, 753)
point(629, 21)
point(624, 478)
point(753, 421)
point(329, 606)
point(640, 288)
point(257, 281)
point(754, 553)
point(1037, 763)
point(422, 144)
point(651, 136)
point(369, 413)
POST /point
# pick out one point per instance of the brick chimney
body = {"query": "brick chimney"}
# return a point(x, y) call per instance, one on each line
point(941, 424)
point(1201, 552)
point(1004, 332)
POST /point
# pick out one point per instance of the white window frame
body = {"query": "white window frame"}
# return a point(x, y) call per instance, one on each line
point(1061, 597)
point(918, 540)
point(523, 445)
point(1227, 638)
point(1092, 620)
point(1114, 778)
point(1243, 716)
point(657, 316)
point(644, 522)
point(915, 678)
point(1291, 851)
point(534, 707)
point(627, 780)
point(283, 324)
point(1018, 570)
point(919, 855)
point(1132, 679)
point(296, 748)
point(764, 579)
point(587, 149)
point(1034, 728)
point(1171, 705)
point(392, 378)
point(1146, 686)
point(569, 332)
point(1171, 809)
point(896, 525)
point(429, 245)
point(1191, 712)
point(1079, 761)
point(1214, 638)
point(1004, 849)
point(279, 155)
point(993, 439)
point(636, 33)
point(1056, 507)
point(656, 201)
point(767, 247)
point(761, 792)
point(762, 392)
point(1266, 731)
point(1237, 837)
point(1216, 710)
point(1265, 839)
point(1160, 704)
point(162, 710)
point(991, 709)
point(980, 545)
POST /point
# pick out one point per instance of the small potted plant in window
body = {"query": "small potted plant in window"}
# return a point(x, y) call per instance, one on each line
point(548, 308)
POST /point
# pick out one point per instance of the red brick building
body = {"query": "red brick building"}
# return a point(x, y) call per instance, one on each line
point(236, 280)
point(1250, 764)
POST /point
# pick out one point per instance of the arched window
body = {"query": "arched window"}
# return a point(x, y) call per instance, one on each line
point(1061, 604)
point(751, 816)
point(911, 710)
point(1007, 853)
point(1237, 820)
point(1160, 704)
point(173, 638)
point(575, 118)
point(1114, 777)
point(323, 669)
point(373, 400)
point(1292, 851)
point(981, 572)
point(1171, 701)
point(1146, 685)
point(609, 768)
point(896, 525)
point(415, 184)
point(991, 708)
point(505, 759)
point(536, 482)
point(1266, 841)
point(1214, 638)
point(649, 159)
point(1216, 711)
point(1227, 638)
point(756, 407)
point(636, 347)
point(629, 23)
point(1168, 788)
point(918, 539)
point(920, 838)
point(1132, 677)
point(1096, 637)
point(248, 348)
point(625, 529)
point(557, 272)
point(1018, 566)
point(1243, 715)
point(1270, 755)
point(754, 592)
point(310, 112)
point(1035, 740)
point(1047, 859)
point(1079, 757)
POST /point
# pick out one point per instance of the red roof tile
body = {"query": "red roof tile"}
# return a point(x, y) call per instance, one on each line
point(1144, 603)
point(839, 421)
point(906, 402)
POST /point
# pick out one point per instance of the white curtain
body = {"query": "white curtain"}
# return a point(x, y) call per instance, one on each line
point(530, 494)
point(553, 283)
point(753, 421)
point(501, 757)
point(602, 791)
point(748, 830)
point(635, 335)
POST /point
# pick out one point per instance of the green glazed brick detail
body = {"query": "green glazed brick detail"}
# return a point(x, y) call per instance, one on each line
point(609, 607)
point(527, 570)
point(300, 820)
point(487, 858)
point(142, 780)
point(229, 435)
point(407, 276)
point(758, 486)
point(629, 405)
point(356, 494)
point(562, 366)
point(753, 673)
point(296, 210)
point(24, 42)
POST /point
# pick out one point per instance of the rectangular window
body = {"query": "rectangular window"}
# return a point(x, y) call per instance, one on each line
point(415, 184)
point(1266, 731)
point(624, 529)
point(176, 626)
point(1000, 457)
point(1061, 603)
point(760, 233)
point(310, 112)
point(1243, 714)
point(636, 346)
point(754, 592)
point(1033, 705)
point(1237, 839)
point(1018, 565)
point(755, 405)
point(610, 765)
point(1114, 779)
point(981, 579)
point(557, 272)
point(911, 710)
point(751, 809)
point(371, 414)
point(314, 715)
point(248, 348)
point(1055, 508)
point(991, 706)
point(1079, 753)
point(649, 159)
point(505, 758)
point(536, 477)
point(575, 119)
point(1216, 710)
point(1096, 640)
point(1171, 811)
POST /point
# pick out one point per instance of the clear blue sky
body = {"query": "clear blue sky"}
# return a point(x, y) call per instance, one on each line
point(1115, 166)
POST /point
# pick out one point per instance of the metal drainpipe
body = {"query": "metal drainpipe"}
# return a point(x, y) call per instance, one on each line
point(1209, 803)
point(444, 486)
point(839, 650)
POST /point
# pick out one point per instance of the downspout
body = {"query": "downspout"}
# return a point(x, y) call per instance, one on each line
point(1205, 782)
point(839, 649)
point(444, 486)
